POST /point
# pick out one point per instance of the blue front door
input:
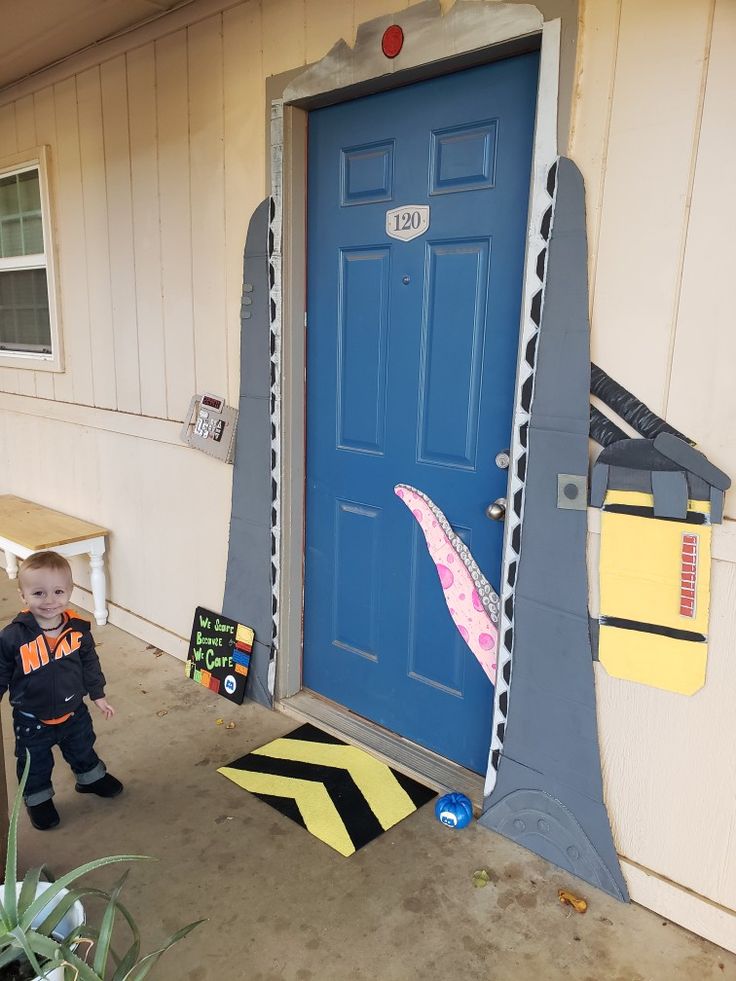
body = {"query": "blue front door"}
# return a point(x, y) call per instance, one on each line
point(411, 362)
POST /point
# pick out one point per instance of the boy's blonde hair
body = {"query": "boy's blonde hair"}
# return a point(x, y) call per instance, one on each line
point(44, 560)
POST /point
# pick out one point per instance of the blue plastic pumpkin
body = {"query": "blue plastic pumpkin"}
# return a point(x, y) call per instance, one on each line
point(454, 810)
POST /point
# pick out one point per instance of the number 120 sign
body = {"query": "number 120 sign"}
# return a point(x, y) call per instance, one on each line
point(408, 222)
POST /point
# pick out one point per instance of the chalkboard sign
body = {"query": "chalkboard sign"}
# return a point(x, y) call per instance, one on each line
point(219, 654)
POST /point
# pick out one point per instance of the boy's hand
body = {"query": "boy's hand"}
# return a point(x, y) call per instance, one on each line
point(105, 707)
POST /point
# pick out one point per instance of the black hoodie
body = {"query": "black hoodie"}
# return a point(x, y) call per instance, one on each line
point(49, 685)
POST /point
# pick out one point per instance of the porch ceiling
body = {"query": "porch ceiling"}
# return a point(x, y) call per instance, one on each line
point(40, 32)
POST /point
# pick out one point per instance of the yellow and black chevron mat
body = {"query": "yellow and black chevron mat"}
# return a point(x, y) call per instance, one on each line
point(342, 795)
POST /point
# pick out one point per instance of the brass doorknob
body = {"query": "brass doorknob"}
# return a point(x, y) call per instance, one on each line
point(497, 510)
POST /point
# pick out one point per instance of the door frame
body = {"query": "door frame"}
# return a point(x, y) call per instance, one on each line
point(503, 29)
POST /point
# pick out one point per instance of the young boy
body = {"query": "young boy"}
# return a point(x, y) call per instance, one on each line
point(49, 662)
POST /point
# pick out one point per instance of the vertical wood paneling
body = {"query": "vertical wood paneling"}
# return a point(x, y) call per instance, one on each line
point(45, 122)
point(123, 506)
point(205, 489)
point(244, 169)
point(7, 129)
point(670, 782)
point(172, 107)
point(368, 9)
point(146, 234)
point(702, 392)
point(120, 224)
point(25, 124)
point(77, 382)
point(8, 144)
point(655, 109)
point(207, 198)
point(596, 70)
point(94, 200)
point(327, 21)
point(283, 35)
point(5, 449)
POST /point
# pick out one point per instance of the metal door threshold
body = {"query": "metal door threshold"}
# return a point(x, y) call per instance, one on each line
point(408, 757)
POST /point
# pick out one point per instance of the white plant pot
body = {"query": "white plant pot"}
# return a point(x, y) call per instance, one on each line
point(74, 918)
point(56, 975)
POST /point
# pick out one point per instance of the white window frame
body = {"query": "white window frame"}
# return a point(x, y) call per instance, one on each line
point(37, 159)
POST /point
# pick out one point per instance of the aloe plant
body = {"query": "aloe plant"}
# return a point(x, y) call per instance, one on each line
point(105, 962)
point(41, 945)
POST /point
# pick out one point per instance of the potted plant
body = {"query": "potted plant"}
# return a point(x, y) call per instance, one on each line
point(43, 933)
point(15, 963)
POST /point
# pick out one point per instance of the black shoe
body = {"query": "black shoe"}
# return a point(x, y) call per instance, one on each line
point(44, 816)
point(107, 786)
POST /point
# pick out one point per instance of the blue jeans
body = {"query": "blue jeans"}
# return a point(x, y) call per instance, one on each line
point(75, 738)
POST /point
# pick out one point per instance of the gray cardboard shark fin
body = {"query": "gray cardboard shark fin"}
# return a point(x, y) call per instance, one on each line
point(248, 596)
point(548, 794)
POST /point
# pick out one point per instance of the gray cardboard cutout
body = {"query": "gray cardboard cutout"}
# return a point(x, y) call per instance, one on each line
point(548, 796)
point(716, 505)
point(669, 489)
point(631, 464)
point(691, 459)
point(248, 579)
point(598, 485)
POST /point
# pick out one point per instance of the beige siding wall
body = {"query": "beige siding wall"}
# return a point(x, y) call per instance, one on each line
point(653, 134)
point(158, 160)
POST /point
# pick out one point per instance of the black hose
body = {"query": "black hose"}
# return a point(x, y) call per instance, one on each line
point(602, 430)
point(639, 416)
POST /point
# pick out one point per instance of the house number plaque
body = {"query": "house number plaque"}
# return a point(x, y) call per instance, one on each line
point(408, 222)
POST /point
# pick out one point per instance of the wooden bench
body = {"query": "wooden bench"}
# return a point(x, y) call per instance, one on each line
point(26, 528)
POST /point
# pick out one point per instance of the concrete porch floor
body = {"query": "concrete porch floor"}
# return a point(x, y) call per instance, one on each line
point(281, 905)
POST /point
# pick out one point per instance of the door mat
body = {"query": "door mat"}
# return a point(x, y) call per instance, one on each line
point(341, 794)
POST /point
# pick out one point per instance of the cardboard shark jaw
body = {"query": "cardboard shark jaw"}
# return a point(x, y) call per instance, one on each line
point(548, 794)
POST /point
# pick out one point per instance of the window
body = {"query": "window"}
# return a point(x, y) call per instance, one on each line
point(28, 330)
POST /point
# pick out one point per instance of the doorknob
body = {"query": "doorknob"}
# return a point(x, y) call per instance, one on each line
point(497, 510)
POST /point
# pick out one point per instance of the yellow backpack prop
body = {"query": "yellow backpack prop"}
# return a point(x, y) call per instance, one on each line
point(659, 499)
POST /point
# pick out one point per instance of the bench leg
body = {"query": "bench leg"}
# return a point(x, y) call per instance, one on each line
point(97, 581)
point(11, 565)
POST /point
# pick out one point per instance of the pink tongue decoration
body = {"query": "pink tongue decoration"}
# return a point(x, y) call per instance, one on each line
point(472, 603)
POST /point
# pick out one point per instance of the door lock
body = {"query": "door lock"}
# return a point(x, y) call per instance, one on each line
point(497, 510)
